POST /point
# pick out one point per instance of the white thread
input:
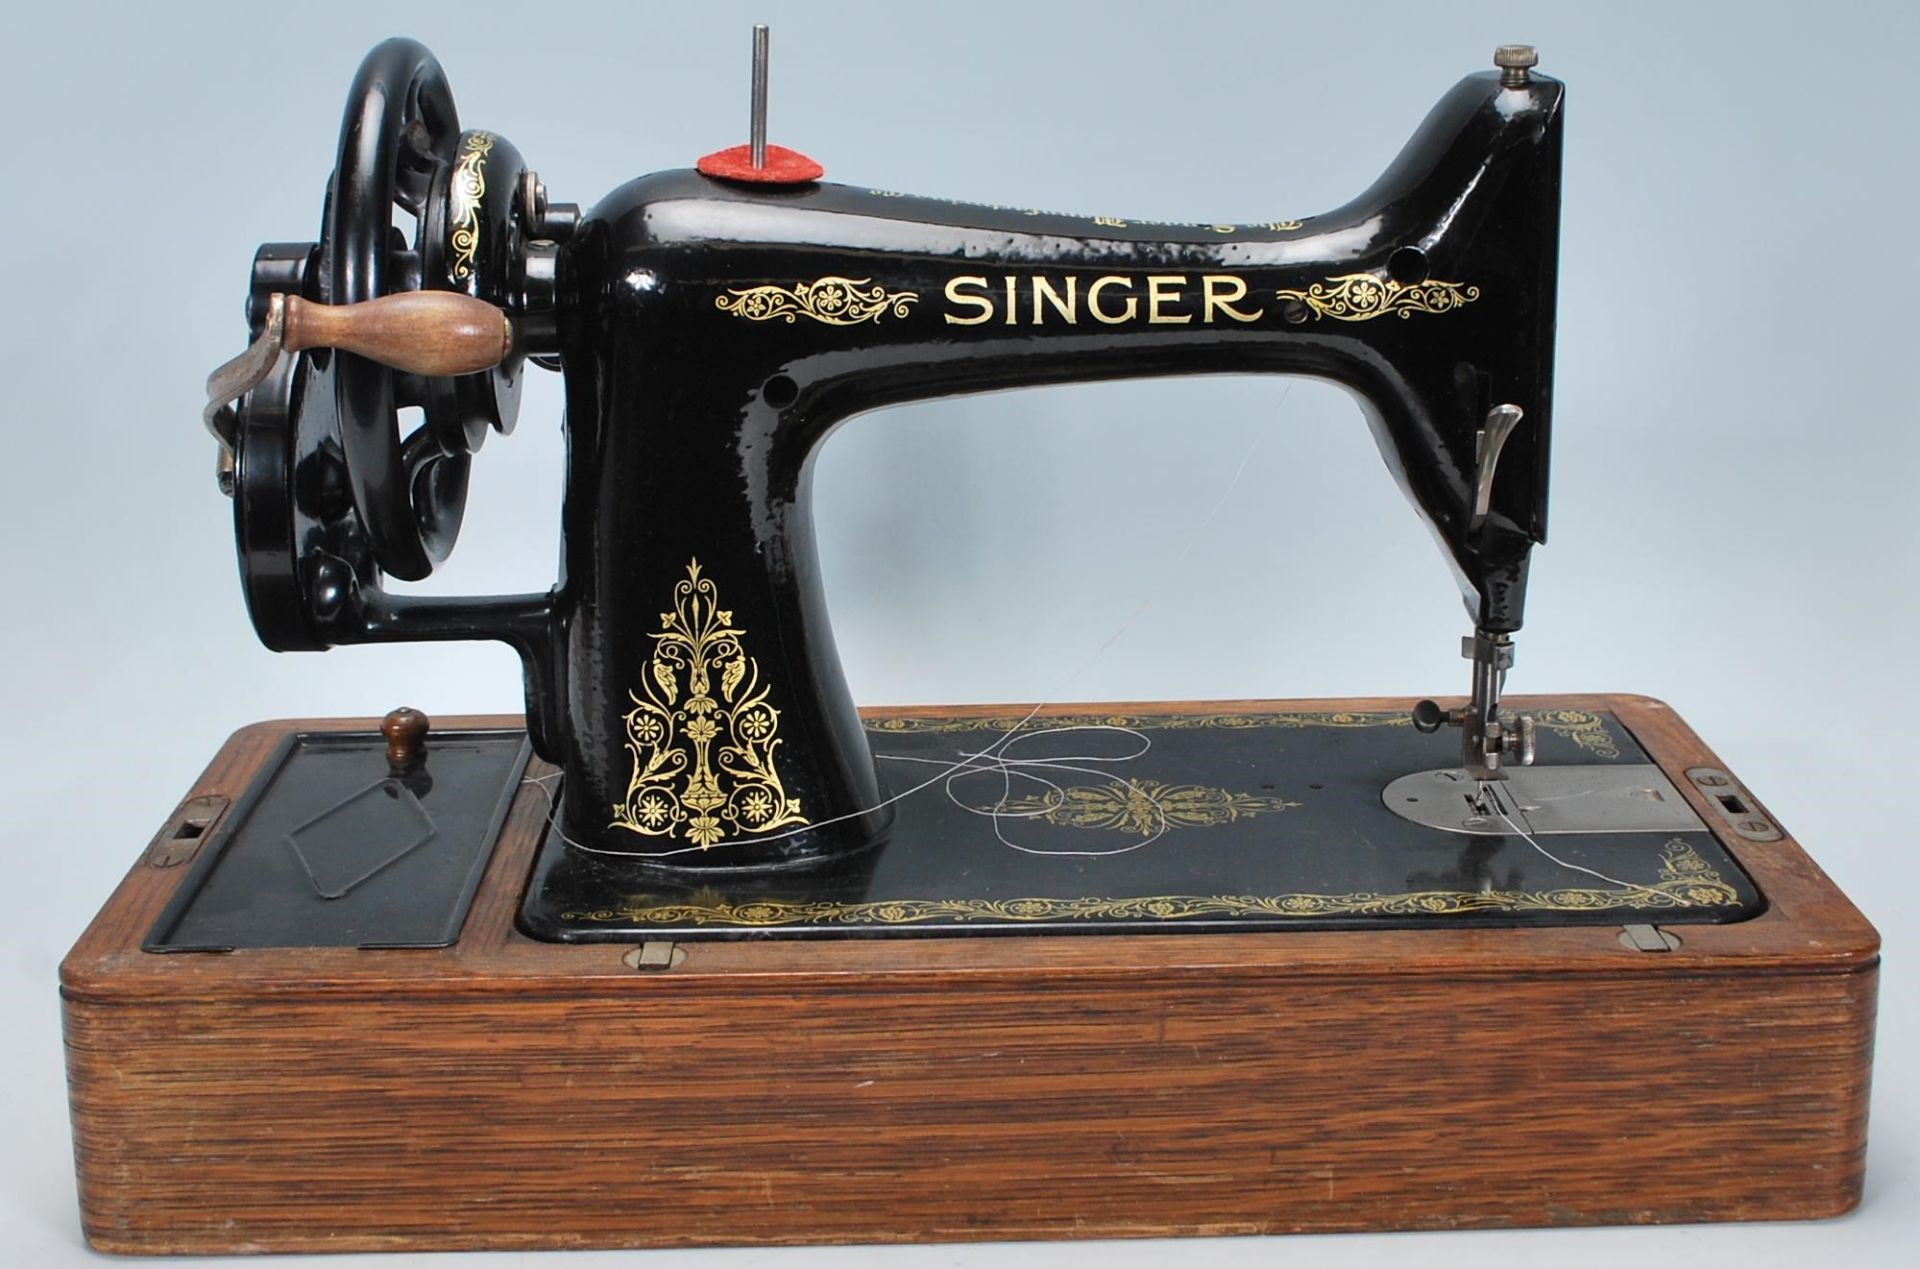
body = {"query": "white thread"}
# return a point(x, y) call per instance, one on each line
point(1010, 768)
point(981, 762)
point(804, 828)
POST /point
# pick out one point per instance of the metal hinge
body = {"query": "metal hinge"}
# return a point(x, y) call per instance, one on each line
point(1648, 938)
point(654, 956)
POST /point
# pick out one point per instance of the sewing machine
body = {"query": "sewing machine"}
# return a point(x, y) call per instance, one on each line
point(701, 952)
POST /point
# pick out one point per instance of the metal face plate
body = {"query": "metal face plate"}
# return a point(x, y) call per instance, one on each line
point(1545, 801)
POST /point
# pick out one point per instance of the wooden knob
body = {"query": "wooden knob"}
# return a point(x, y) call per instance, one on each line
point(406, 733)
point(420, 332)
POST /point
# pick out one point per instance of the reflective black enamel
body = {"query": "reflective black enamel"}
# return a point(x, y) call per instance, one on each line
point(1234, 822)
point(692, 423)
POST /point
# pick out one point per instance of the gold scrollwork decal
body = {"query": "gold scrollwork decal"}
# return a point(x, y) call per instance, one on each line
point(469, 186)
point(719, 737)
point(834, 300)
point(1587, 730)
point(1142, 806)
point(1361, 297)
point(1686, 881)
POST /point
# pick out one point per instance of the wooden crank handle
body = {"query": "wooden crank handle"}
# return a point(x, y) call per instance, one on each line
point(420, 332)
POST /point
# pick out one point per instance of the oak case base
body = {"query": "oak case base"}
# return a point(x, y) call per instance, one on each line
point(504, 1093)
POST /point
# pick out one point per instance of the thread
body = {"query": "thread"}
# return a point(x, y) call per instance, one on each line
point(1009, 769)
point(881, 805)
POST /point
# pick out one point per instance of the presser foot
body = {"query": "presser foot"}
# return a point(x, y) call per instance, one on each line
point(1488, 741)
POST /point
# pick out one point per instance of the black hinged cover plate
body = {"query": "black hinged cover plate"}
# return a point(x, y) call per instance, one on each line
point(326, 849)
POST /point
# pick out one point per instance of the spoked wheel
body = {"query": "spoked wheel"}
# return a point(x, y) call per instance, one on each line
point(397, 144)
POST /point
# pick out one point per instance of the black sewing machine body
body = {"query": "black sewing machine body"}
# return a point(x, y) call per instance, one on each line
point(682, 672)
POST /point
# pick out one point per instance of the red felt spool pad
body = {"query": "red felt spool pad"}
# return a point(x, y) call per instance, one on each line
point(783, 166)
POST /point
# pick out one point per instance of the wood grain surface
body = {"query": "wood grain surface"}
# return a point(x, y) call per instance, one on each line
point(420, 332)
point(504, 1093)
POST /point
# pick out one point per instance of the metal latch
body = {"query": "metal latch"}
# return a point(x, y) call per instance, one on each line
point(1733, 804)
point(180, 838)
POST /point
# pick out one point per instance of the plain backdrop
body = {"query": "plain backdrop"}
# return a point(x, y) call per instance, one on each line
point(1736, 441)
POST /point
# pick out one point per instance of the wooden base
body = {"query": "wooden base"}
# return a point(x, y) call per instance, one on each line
point(504, 1093)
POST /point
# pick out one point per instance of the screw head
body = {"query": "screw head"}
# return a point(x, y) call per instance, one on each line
point(1520, 743)
point(1516, 57)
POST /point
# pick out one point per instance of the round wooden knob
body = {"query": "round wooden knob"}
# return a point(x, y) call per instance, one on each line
point(406, 732)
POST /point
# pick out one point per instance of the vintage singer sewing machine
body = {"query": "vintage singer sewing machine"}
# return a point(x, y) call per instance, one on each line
point(700, 952)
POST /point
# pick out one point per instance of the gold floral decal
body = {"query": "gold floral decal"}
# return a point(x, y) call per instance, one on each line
point(1142, 806)
point(1361, 297)
point(1589, 731)
point(833, 300)
point(469, 187)
point(719, 737)
point(1686, 881)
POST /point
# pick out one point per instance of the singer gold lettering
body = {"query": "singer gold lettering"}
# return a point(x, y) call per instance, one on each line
point(1111, 299)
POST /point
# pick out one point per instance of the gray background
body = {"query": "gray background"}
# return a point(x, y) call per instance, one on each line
point(1736, 443)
